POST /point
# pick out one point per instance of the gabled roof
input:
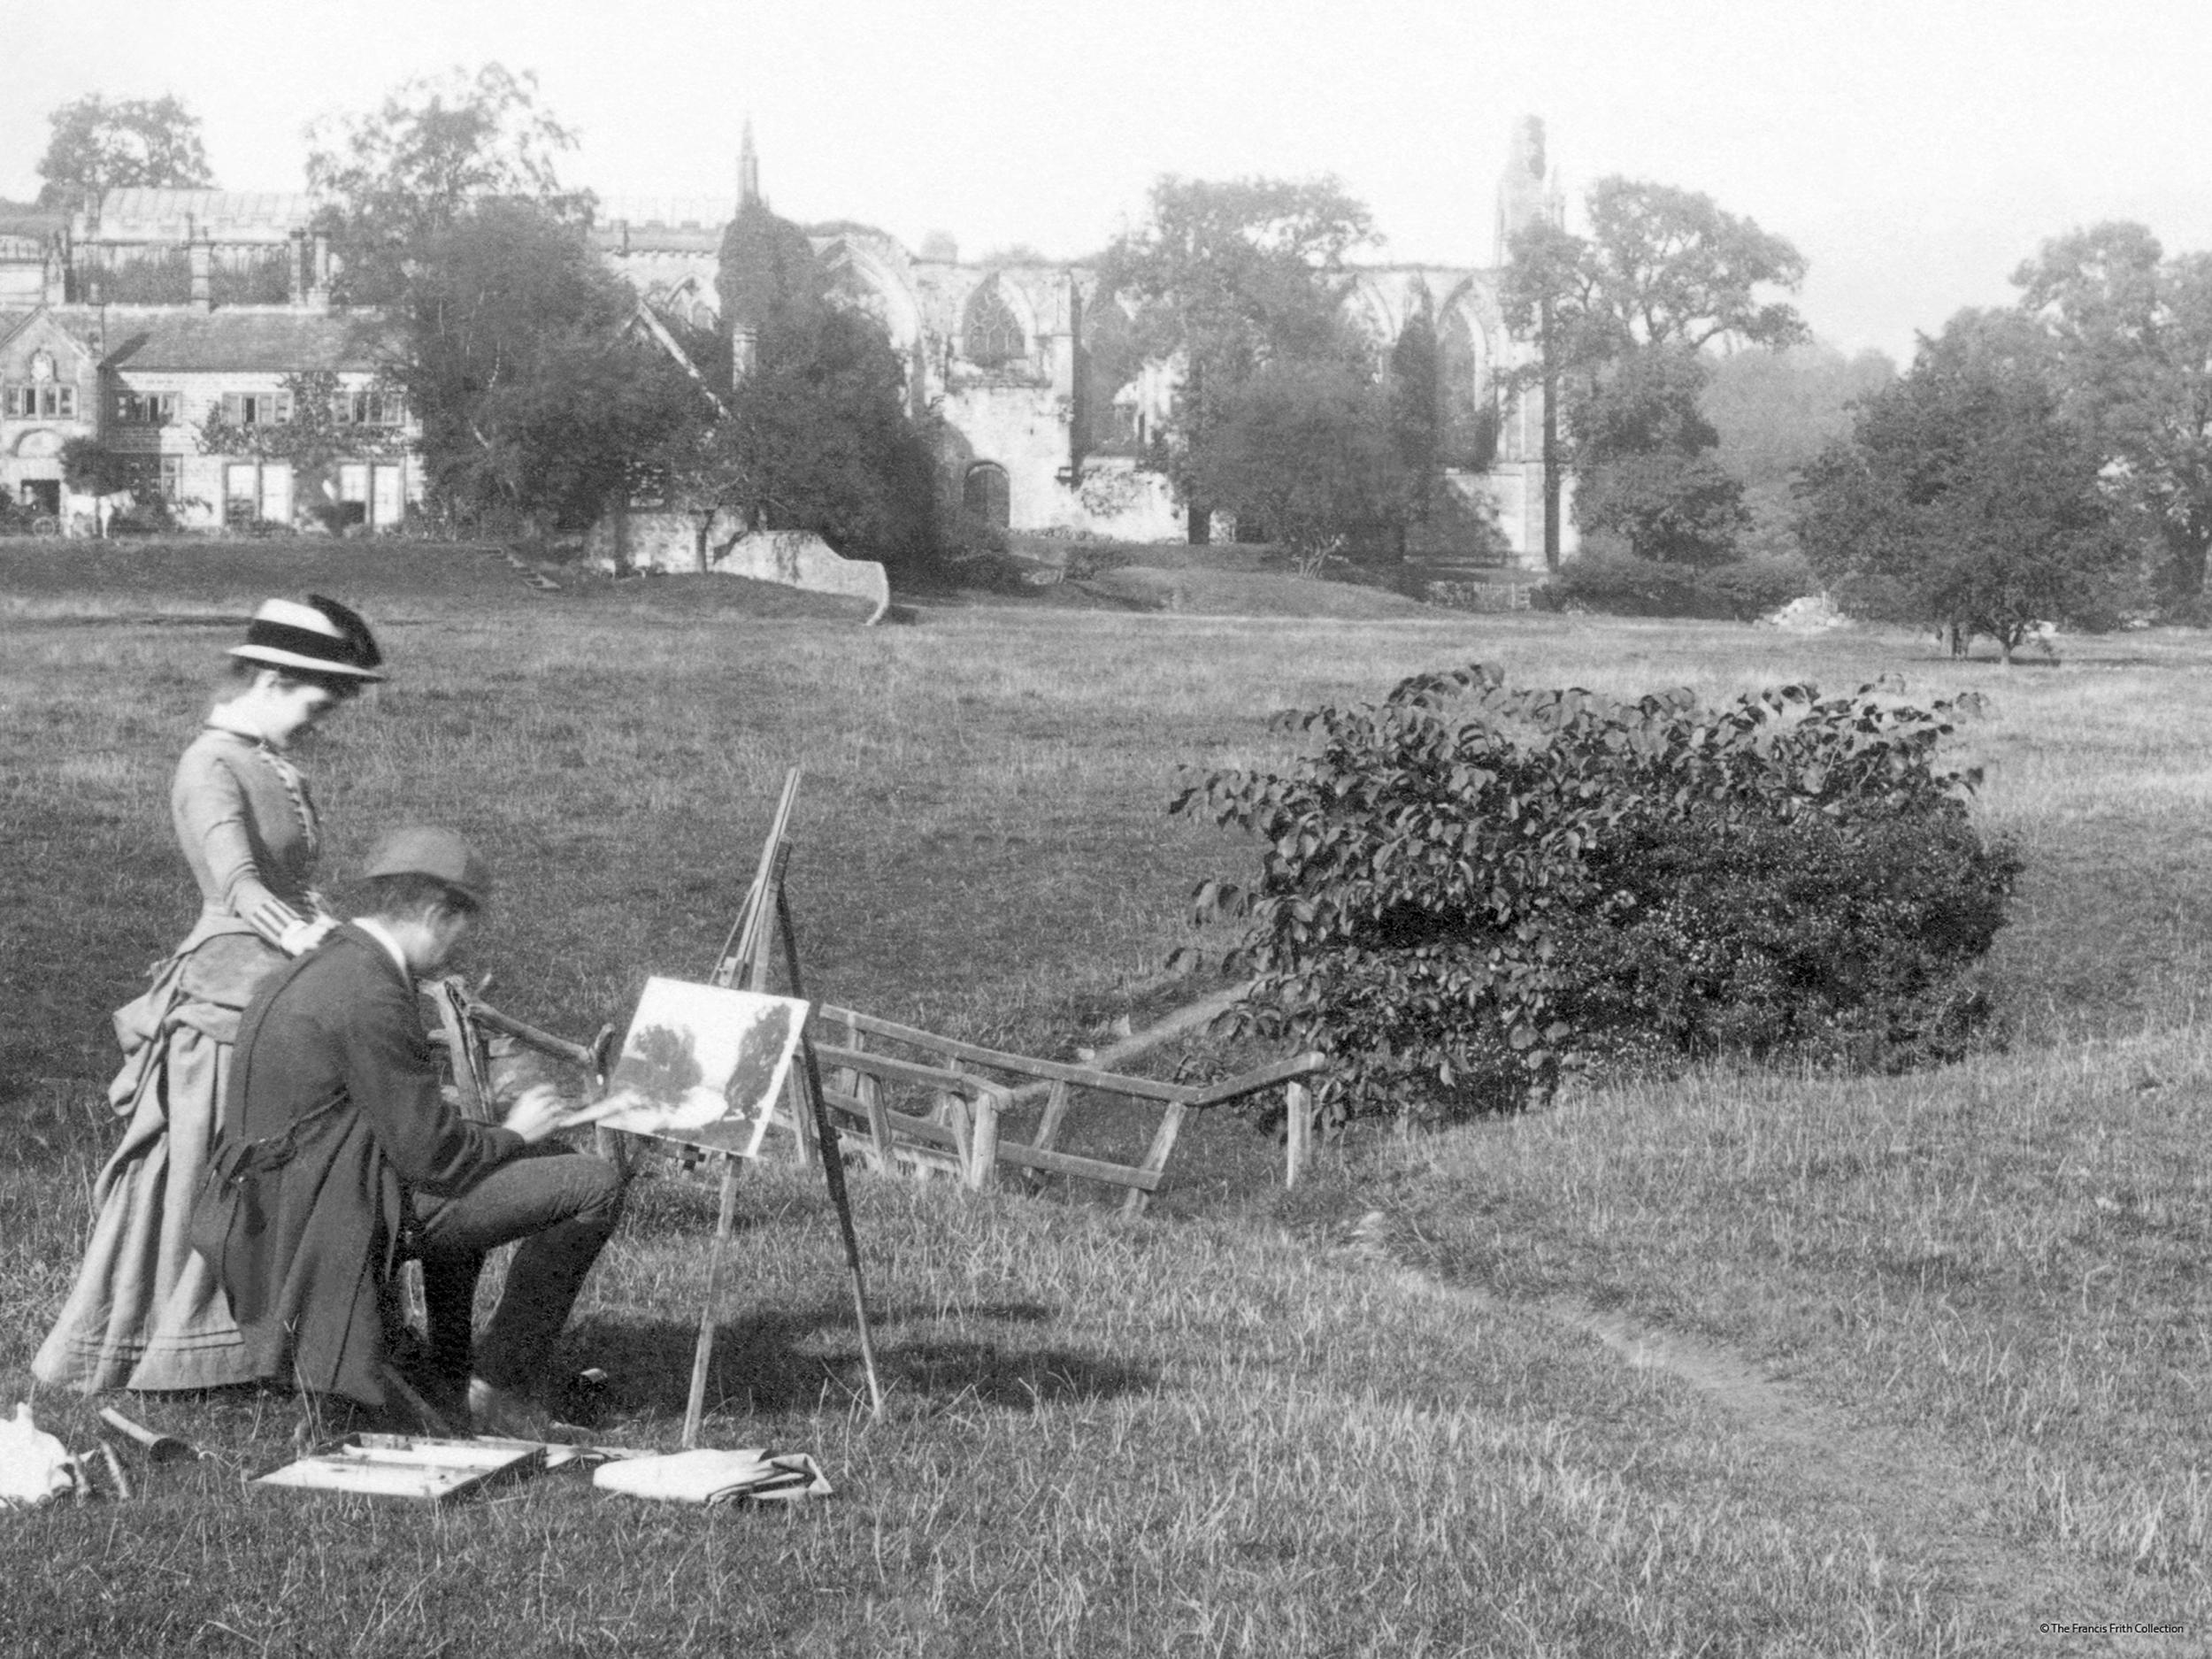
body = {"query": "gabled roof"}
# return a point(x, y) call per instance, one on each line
point(44, 322)
point(249, 341)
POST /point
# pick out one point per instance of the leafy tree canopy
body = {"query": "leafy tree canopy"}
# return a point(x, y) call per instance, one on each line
point(1241, 281)
point(814, 434)
point(533, 394)
point(768, 279)
point(433, 150)
point(98, 145)
point(2129, 330)
point(1661, 267)
point(515, 345)
point(92, 469)
point(1619, 317)
point(1234, 273)
point(1309, 453)
point(1963, 497)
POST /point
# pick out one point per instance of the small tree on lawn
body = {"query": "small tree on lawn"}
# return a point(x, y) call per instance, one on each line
point(1651, 471)
point(90, 470)
point(1965, 499)
point(1308, 452)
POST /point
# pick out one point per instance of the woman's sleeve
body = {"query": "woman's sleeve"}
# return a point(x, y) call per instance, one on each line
point(211, 819)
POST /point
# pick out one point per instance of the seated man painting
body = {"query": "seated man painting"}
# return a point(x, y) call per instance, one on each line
point(347, 1158)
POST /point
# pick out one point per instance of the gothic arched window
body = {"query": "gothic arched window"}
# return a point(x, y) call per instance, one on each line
point(1467, 420)
point(983, 493)
point(993, 337)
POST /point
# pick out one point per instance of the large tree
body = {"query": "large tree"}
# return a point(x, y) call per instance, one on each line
point(1309, 454)
point(1651, 474)
point(1965, 498)
point(429, 154)
point(814, 433)
point(1617, 317)
point(513, 342)
point(1231, 276)
point(535, 394)
point(98, 145)
point(2132, 334)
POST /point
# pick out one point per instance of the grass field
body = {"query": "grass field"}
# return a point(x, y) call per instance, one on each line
point(1922, 1359)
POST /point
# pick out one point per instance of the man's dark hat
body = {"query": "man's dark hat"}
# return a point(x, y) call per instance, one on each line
point(319, 637)
point(440, 854)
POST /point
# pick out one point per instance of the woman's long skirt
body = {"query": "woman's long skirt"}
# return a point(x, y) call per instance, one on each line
point(146, 1312)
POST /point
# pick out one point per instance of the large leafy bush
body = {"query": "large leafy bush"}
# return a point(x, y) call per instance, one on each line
point(1471, 888)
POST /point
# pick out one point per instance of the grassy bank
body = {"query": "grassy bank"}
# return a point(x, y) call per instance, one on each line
point(1218, 1431)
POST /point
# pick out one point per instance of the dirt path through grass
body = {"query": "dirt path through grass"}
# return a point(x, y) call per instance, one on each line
point(1922, 1506)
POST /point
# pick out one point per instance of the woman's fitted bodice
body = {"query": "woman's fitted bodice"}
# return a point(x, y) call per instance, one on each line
point(248, 828)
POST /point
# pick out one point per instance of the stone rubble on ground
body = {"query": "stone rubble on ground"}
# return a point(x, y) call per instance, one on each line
point(1814, 613)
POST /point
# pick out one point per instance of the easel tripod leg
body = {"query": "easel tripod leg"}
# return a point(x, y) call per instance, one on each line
point(725, 1224)
point(832, 1161)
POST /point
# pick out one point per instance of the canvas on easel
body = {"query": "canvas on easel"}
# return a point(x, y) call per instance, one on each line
point(704, 1065)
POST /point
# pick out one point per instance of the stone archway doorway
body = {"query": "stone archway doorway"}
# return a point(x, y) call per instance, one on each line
point(984, 493)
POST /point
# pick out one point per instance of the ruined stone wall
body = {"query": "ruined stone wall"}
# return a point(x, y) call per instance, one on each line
point(1017, 409)
point(673, 544)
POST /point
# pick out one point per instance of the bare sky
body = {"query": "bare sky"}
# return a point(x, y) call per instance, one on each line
point(1915, 152)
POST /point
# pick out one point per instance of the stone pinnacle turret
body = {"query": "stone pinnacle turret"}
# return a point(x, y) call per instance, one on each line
point(748, 169)
point(1528, 192)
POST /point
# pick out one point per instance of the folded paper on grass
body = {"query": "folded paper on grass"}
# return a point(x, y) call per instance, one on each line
point(708, 1476)
point(705, 1064)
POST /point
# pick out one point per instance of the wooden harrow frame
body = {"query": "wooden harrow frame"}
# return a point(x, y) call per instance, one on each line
point(917, 1100)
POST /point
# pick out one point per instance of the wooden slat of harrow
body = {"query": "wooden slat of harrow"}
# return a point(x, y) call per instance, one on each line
point(1252, 1082)
point(870, 1063)
point(1113, 1082)
point(938, 1134)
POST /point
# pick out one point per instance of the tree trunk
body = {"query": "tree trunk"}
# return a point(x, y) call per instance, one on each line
point(1551, 445)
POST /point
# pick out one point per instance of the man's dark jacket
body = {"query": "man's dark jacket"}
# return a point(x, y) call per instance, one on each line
point(332, 1052)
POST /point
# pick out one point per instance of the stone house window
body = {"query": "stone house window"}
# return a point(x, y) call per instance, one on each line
point(371, 409)
point(386, 408)
point(50, 401)
point(156, 474)
point(255, 409)
point(145, 409)
point(993, 337)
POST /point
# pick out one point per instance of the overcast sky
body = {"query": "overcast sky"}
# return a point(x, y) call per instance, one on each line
point(1916, 151)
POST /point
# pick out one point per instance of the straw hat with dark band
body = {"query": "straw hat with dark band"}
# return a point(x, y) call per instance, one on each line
point(319, 637)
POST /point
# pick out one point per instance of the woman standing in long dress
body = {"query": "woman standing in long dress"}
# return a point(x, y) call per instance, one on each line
point(146, 1312)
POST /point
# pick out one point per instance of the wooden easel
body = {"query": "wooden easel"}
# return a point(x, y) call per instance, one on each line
point(745, 955)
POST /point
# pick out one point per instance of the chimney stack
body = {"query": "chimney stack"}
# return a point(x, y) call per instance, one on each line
point(202, 254)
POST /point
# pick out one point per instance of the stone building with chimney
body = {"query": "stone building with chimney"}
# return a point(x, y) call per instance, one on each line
point(134, 321)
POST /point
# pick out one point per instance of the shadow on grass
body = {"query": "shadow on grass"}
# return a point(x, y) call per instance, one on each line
point(787, 1360)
